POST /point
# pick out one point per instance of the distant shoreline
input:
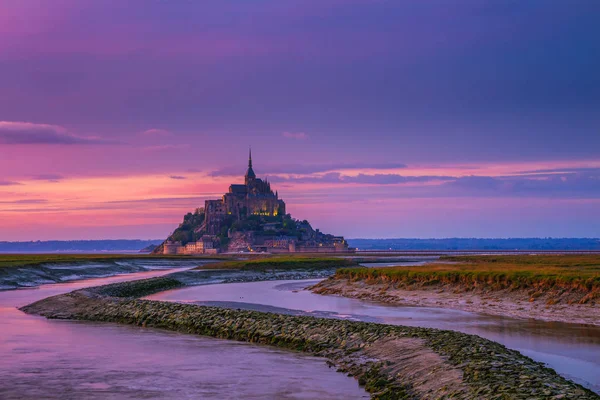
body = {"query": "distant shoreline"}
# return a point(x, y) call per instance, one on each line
point(407, 246)
point(77, 246)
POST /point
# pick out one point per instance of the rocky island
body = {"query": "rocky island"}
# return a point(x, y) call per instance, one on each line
point(249, 217)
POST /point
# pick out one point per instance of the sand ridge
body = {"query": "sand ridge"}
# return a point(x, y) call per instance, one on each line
point(506, 302)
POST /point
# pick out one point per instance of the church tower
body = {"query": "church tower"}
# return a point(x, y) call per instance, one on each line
point(250, 175)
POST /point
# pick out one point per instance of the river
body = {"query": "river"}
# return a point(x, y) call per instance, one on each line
point(50, 359)
point(570, 349)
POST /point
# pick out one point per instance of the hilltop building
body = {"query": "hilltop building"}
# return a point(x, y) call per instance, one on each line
point(254, 197)
point(249, 217)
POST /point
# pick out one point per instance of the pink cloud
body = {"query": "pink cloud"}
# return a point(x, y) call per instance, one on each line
point(26, 133)
point(8, 183)
point(75, 206)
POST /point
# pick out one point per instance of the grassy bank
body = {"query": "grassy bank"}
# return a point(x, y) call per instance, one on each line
point(283, 262)
point(580, 273)
point(136, 289)
point(27, 260)
point(392, 362)
point(228, 260)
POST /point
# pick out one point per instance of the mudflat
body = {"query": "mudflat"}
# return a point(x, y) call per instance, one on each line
point(561, 288)
point(503, 302)
point(390, 361)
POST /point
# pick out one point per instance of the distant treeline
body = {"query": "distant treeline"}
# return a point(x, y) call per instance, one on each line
point(76, 246)
point(477, 244)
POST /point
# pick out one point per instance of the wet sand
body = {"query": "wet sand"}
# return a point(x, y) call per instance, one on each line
point(390, 361)
point(52, 359)
point(572, 350)
point(506, 302)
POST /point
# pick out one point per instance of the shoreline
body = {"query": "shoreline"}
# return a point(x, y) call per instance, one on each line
point(24, 271)
point(390, 362)
point(504, 303)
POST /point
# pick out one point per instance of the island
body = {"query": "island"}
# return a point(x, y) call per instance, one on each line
point(250, 217)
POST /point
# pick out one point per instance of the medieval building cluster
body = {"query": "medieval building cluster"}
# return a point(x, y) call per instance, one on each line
point(208, 244)
point(253, 198)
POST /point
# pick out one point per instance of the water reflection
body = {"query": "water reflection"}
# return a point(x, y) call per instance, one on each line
point(42, 358)
point(572, 350)
point(32, 276)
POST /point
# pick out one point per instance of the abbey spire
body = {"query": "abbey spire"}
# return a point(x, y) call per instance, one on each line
point(250, 175)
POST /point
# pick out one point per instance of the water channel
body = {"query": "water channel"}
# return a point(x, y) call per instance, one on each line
point(49, 359)
point(572, 350)
point(41, 358)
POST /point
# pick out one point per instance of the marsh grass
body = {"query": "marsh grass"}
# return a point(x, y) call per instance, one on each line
point(26, 260)
point(282, 262)
point(536, 272)
point(228, 261)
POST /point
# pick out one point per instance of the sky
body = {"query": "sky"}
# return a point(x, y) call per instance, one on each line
point(372, 118)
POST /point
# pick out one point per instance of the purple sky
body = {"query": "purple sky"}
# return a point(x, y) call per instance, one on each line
point(372, 118)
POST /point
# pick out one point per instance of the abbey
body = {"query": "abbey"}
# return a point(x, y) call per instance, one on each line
point(254, 197)
point(249, 217)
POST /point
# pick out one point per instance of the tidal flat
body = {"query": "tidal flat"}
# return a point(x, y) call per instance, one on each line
point(287, 262)
point(23, 272)
point(392, 362)
point(68, 359)
point(572, 350)
point(562, 288)
point(30, 270)
point(186, 282)
point(29, 260)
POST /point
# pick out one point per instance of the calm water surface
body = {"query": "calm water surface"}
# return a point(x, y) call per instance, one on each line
point(572, 350)
point(45, 359)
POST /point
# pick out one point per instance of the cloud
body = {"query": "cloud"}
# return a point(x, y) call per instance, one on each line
point(26, 133)
point(477, 183)
point(157, 132)
point(569, 185)
point(309, 169)
point(25, 201)
point(391, 179)
point(583, 185)
point(177, 177)
point(167, 200)
point(563, 170)
point(47, 177)
point(8, 183)
point(368, 179)
point(295, 135)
